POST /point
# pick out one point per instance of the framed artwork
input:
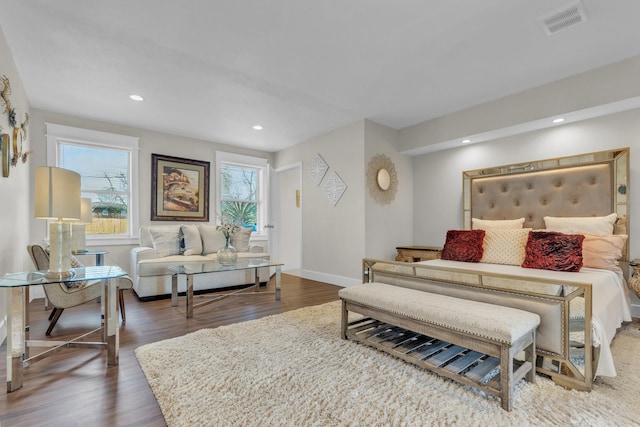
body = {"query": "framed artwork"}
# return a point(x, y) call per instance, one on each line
point(179, 189)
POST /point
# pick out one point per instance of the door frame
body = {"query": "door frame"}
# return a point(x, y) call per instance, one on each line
point(276, 238)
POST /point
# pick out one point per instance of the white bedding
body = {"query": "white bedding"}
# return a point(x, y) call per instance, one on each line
point(611, 305)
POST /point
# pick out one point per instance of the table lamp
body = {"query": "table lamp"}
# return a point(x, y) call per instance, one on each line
point(57, 198)
point(78, 228)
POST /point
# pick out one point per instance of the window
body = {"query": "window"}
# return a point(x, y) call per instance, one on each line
point(242, 190)
point(107, 164)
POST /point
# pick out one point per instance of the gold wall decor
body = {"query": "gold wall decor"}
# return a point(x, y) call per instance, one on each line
point(19, 132)
point(4, 94)
point(4, 146)
point(382, 179)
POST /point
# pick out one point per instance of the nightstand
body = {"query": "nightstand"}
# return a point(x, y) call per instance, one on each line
point(418, 253)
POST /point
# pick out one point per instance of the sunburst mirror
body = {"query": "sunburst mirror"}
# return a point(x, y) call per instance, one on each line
point(382, 179)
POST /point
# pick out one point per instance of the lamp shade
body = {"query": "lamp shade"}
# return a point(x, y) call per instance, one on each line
point(85, 211)
point(57, 194)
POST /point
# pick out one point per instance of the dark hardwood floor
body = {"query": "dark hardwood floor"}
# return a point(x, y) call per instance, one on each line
point(75, 386)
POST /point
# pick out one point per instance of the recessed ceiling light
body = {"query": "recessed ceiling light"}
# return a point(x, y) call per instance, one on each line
point(258, 127)
point(466, 141)
point(136, 97)
point(558, 120)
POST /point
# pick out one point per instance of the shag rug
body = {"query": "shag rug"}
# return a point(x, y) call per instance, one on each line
point(293, 369)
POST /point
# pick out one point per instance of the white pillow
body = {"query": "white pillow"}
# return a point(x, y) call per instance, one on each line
point(504, 245)
point(190, 241)
point(598, 225)
point(487, 224)
point(166, 240)
point(240, 239)
point(212, 239)
point(603, 251)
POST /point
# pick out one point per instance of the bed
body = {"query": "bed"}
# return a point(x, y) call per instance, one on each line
point(580, 310)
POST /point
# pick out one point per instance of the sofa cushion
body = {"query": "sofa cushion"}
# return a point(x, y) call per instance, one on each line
point(190, 241)
point(212, 239)
point(166, 240)
point(240, 239)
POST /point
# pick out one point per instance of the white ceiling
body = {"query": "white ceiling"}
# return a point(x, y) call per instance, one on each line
point(211, 69)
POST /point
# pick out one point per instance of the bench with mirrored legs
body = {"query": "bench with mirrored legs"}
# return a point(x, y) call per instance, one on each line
point(471, 342)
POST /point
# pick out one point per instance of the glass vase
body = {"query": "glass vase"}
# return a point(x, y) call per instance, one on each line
point(227, 255)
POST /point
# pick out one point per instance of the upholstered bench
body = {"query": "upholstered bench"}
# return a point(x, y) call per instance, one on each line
point(464, 340)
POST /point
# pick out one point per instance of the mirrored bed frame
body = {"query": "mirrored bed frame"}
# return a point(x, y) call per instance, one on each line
point(592, 184)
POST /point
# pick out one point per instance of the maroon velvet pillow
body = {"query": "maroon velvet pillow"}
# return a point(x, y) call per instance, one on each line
point(463, 245)
point(549, 250)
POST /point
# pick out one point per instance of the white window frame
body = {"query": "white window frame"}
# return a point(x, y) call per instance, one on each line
point(262, 165)
point(60, 134)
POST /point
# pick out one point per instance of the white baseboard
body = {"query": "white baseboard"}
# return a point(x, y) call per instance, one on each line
point(329, 278)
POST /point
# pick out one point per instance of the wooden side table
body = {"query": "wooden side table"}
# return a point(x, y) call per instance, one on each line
point(417, 253)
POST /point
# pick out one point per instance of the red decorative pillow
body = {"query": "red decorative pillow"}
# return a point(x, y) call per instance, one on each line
point(549, 250)
point(463, 245)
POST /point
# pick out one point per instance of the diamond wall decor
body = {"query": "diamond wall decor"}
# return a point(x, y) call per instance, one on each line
point(334, 188)
point(318, 169)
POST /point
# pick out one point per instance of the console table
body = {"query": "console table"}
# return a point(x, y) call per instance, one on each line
point(417, 253)
point(191, 268)
point(16, 290)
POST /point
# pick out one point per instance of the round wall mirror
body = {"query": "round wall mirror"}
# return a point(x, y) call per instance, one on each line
point(384, 179)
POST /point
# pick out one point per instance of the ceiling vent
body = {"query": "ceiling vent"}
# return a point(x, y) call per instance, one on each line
point(561, 20)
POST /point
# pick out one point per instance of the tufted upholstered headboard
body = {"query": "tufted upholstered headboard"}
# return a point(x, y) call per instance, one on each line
point(592, 184)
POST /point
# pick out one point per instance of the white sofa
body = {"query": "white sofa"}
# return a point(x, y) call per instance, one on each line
point(164, 246)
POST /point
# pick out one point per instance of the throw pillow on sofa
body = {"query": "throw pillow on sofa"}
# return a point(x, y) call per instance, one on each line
point(190, 241)
point(212, 239)
point(240, 239)
point(166, 240)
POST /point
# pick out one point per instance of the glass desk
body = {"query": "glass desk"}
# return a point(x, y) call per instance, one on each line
point(192, 268)
point(16, 288)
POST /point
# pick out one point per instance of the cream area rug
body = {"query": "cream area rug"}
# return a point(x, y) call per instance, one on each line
point(293, 369)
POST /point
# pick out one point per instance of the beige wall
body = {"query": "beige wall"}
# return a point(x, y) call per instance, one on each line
point(150, 142)
point(333, 237)
point(336, 238)
point(438, 176)
point(14, 190)
point(388, 225)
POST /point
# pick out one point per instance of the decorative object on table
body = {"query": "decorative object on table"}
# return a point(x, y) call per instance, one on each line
point(334, 188)
point(318, 169)
point(78, 228)
point(57, 198)
point(227, 255)
point(179, 189)
point(382, 179)
point(6, 154)
point(634, 281)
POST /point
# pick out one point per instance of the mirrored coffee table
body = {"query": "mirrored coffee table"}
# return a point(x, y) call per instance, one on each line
point(192, 268)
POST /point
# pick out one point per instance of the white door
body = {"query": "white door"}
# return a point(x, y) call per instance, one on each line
point(287, 218)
